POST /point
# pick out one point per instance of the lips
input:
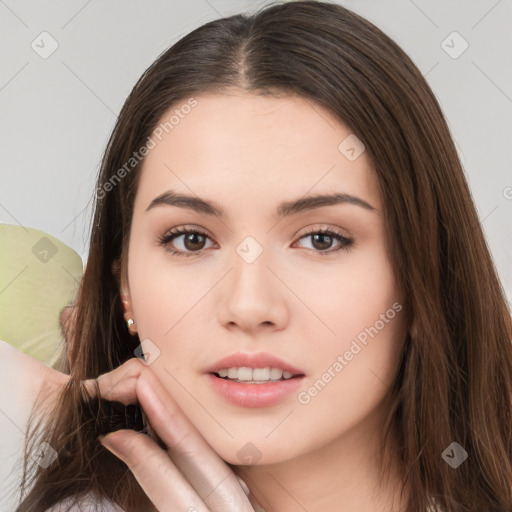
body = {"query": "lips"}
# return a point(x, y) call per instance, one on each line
point(254, 395)
point(252, 360)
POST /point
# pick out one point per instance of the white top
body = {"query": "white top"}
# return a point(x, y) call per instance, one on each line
point(87, 504)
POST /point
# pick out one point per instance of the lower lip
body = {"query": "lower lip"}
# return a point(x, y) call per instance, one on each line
point(254, 395)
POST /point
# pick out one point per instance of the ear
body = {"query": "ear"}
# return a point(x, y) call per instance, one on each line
point(124, 290)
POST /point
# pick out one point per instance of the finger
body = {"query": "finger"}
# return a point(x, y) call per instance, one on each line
point(210, 476)
point(213, 480)
point(118, 384)
point(150, 465)
point(162, 482)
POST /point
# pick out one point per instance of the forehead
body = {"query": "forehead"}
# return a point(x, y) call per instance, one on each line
point(245, 148)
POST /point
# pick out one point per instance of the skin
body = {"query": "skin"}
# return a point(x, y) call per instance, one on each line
point(248, 153)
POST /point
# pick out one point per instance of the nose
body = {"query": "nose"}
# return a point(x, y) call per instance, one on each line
point(251, 297)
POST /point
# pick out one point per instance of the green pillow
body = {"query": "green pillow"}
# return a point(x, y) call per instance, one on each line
point(39, 276)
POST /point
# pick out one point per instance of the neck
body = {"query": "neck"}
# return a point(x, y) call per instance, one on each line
point(341, 475)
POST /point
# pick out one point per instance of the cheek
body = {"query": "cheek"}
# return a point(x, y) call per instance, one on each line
point(352, 374)
point(156, 285)
point(347, 296)
point(169, 308)
point(355, 363)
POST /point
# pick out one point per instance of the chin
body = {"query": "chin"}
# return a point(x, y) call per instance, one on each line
point(249, 453)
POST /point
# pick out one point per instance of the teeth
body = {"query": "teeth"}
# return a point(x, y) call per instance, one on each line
point(276, 373)
point(245, 374)
point(261, 374)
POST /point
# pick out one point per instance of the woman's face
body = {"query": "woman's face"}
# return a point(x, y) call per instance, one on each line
point(262, 278)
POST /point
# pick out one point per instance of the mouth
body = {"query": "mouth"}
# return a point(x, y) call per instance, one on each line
point(254, 379)
point(249, 375)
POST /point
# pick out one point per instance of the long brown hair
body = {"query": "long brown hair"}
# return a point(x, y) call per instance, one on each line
point(454, 382)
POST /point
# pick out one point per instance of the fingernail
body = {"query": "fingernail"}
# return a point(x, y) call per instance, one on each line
point(244, 486)
point(106, 441)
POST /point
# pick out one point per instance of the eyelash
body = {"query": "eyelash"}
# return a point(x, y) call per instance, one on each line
point(165, 240)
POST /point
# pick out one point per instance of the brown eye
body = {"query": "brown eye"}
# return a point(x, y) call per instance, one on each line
point(191, 241)
point(194, 241)
point(322, 241)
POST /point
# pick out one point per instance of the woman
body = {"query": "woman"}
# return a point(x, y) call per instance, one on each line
point(304, 159)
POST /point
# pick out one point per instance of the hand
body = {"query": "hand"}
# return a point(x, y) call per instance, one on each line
point(188, 474)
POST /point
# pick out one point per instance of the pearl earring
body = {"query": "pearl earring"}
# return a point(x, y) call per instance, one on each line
point(131, 326)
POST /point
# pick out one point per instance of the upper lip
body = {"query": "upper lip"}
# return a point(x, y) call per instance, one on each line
point(252, 360)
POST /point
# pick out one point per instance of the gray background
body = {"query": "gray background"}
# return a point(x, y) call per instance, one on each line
point(57, 113)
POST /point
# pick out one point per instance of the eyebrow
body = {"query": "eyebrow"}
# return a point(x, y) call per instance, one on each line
point(285, 209)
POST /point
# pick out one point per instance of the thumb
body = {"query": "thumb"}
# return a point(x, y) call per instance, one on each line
point(116, 442)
